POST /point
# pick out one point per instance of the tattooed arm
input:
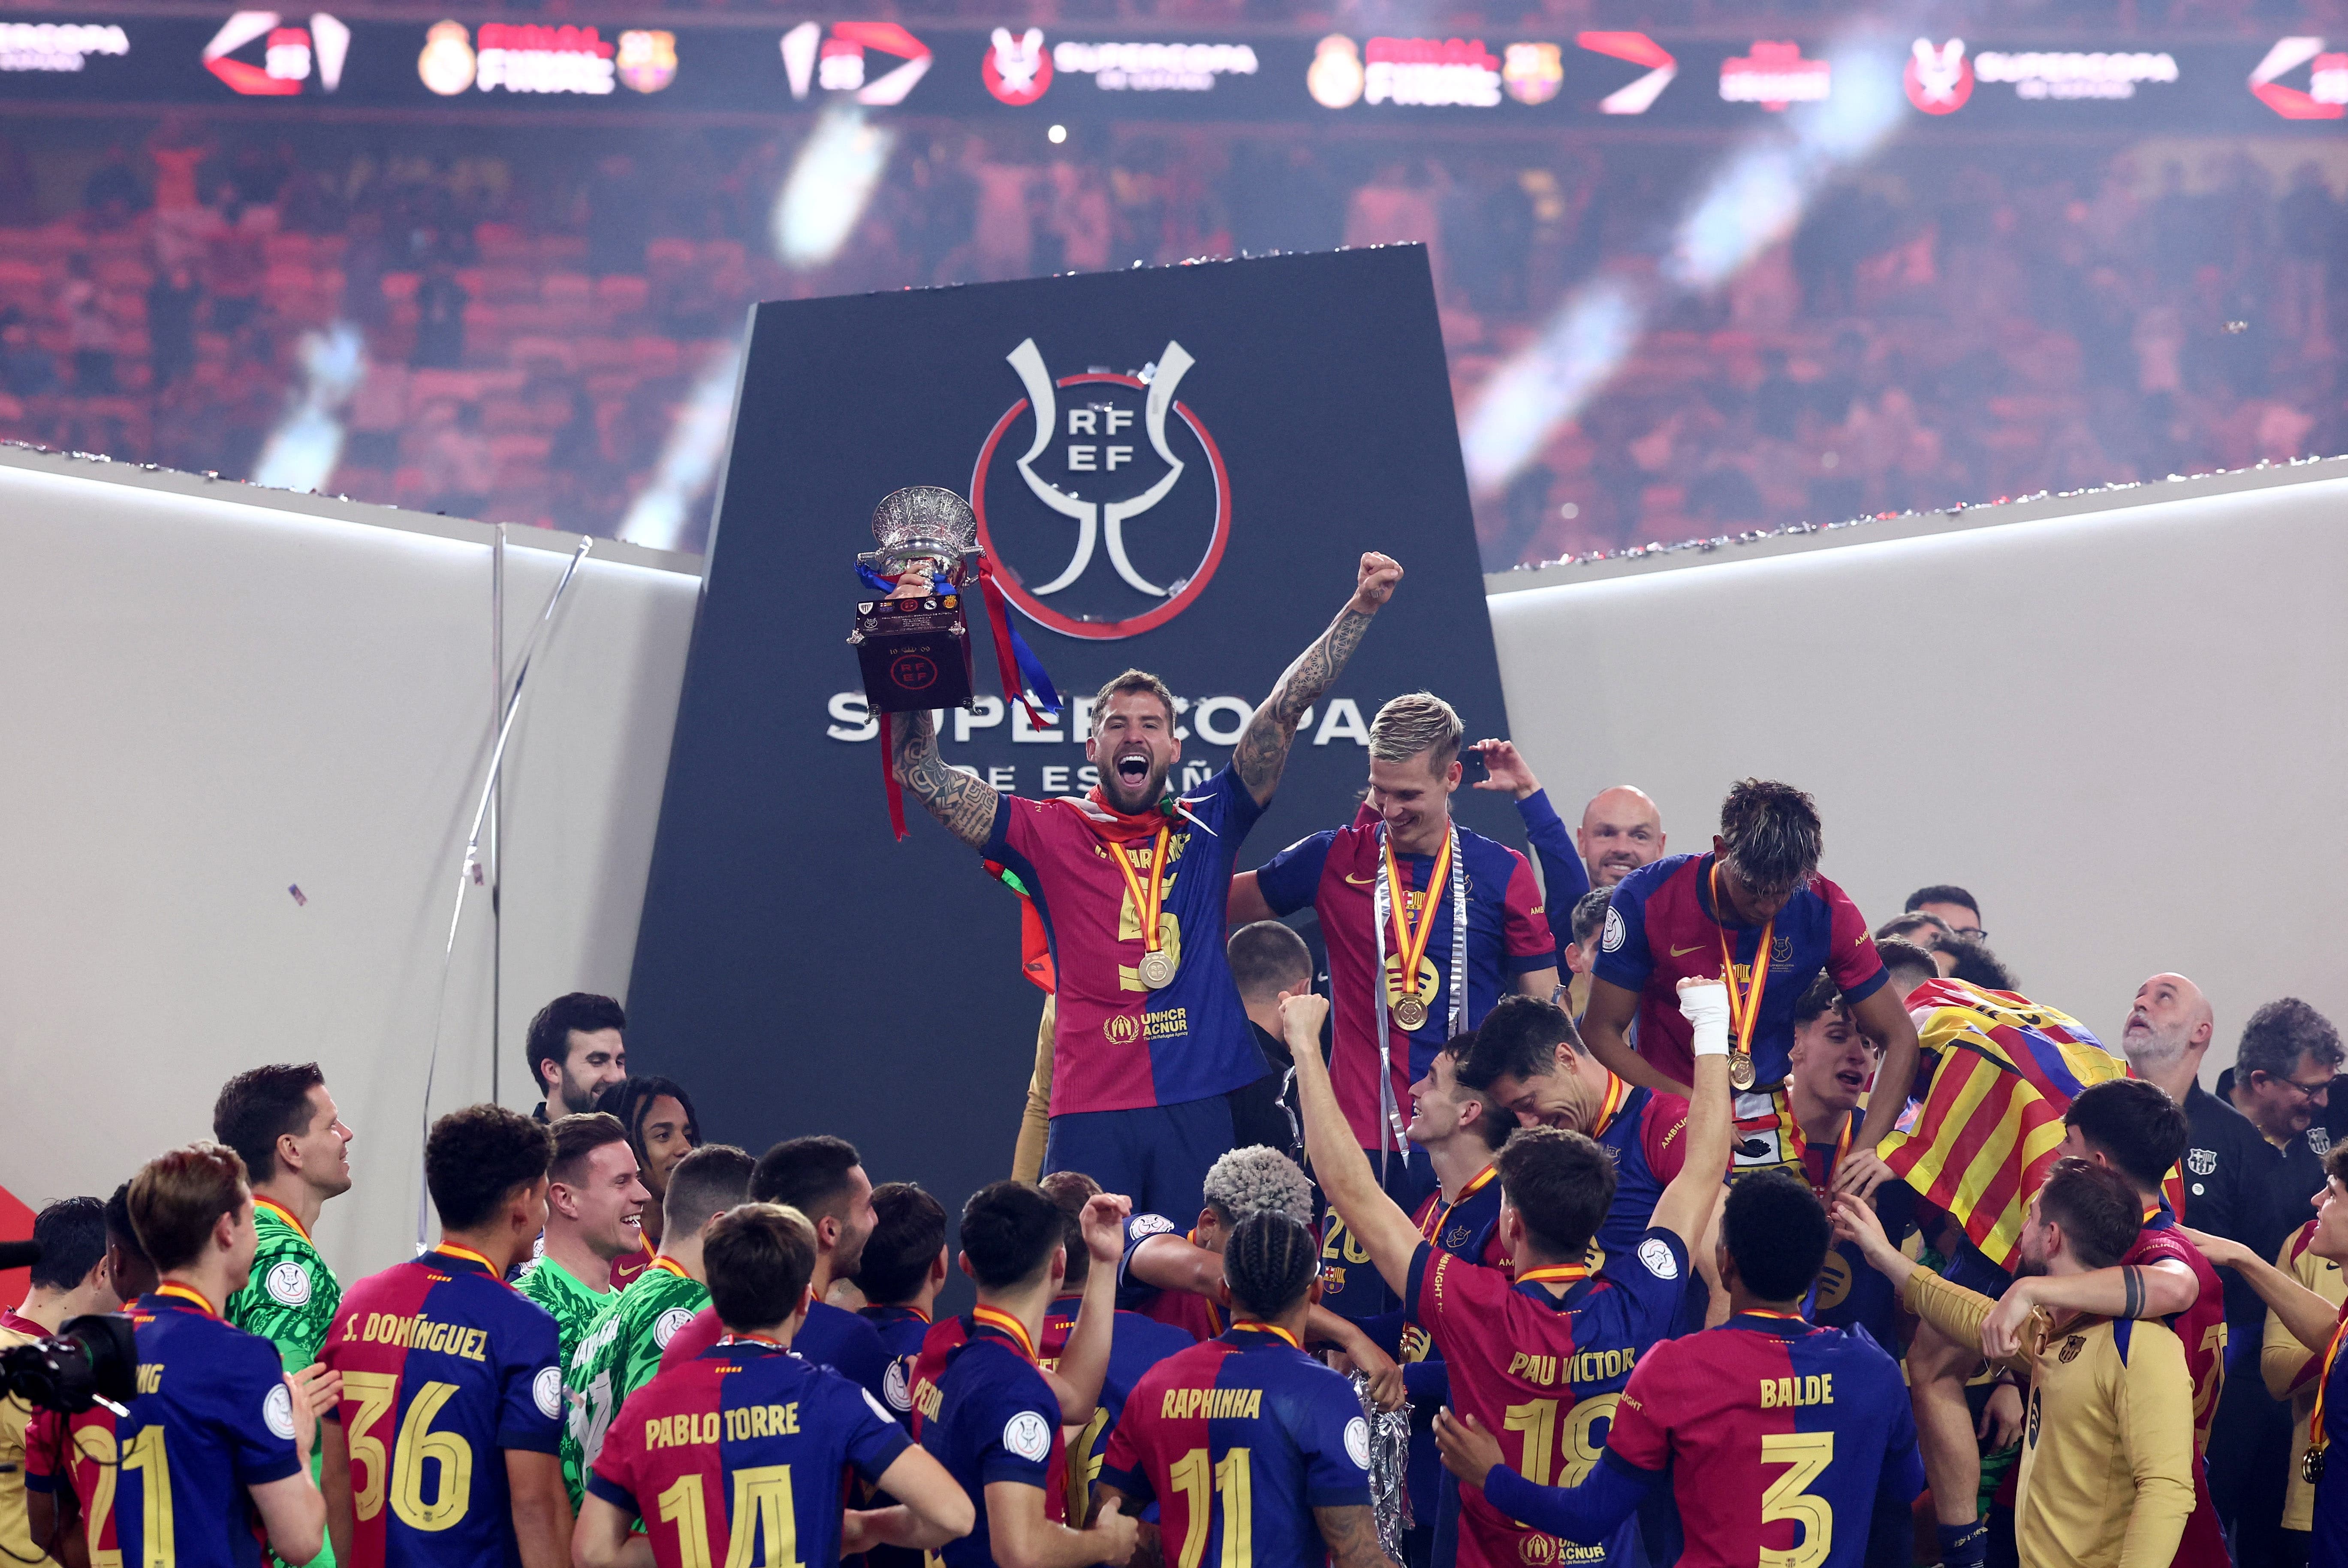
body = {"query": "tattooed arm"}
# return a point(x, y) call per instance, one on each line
point(1263, 748)
point(965, 804)
point(1352, 1536)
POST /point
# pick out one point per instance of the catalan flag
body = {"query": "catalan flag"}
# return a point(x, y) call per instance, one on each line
point(2003, 1070)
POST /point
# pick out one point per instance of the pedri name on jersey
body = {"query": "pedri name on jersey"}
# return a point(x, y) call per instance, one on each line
point(419, 1333)
point(740, 1424)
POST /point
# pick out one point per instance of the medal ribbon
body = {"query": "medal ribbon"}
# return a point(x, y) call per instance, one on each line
point(1412, 946)
point(283, 1213)
point(1555, 1273)
point(2316, 1440)
point(1146, 907)
point(1744, 1010)
point(994, 1317)
point(1252, 1326)
point(663, 1261)
point(1617, 1091)
point(189, 1293)
point(1799, 1144)
point(1441, 1213)
point(1764, 1312)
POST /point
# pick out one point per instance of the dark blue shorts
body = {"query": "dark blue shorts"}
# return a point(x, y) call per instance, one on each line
point(1157, 1155)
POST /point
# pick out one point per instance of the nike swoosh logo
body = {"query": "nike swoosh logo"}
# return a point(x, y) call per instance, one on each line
point(1684, 952)
point(1360, 881)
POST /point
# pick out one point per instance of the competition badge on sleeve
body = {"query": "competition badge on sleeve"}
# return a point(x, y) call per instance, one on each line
point(912, 637)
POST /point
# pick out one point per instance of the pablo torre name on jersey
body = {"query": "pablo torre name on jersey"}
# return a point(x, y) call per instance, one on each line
point(737, 1425)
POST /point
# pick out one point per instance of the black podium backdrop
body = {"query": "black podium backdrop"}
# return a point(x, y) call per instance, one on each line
point(798, 969)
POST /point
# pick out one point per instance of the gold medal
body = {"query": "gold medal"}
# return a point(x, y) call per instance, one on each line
point(2311, 1467)
point(1740, 1070)
point(1156, 970)
point(1744, 1008)
point(1410, 946)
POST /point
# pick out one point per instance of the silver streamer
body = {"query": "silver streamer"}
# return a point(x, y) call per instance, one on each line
point(1389, 1467)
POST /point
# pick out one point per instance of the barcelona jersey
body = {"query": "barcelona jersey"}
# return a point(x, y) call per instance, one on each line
point(214, 1417)
point(739, 1456)
point(1136, 1344)
point(1777, 1434)
point(1117, 1045)
point(1660, 927)
point(2202, 1333)
point(1542, 1373)
point(1193, 1314)
point(830, 1336)
point(1238, 1440)
point(444, 1366)
point(1337, 873)
point(1644, 1134)
point(901, 1331)
point(984, 1412)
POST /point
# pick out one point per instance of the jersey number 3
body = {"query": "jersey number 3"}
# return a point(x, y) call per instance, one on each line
point(1788, 1496)
point(376, 1394)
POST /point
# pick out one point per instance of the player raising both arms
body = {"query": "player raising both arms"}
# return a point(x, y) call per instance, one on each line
point(1252, 1450)
point(747, 1443)
point(1148, 1035)
point(1542, 1354)
point(444, 1448)
point(1775, 1436)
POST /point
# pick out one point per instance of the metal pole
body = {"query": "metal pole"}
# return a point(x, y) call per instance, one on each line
point(497, 800)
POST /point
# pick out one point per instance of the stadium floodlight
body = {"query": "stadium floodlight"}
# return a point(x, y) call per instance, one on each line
point(832, 180)
point(688, 460)
point(301, 452)
point(1753, 199)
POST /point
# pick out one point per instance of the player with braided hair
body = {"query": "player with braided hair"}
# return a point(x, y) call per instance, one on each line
point(1252, 1450)
point(1179, 1278)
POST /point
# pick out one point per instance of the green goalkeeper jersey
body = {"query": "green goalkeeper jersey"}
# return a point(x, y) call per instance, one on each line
point(618, 1354)
point(288, 1300)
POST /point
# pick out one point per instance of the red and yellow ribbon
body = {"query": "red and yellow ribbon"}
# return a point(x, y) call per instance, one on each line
point(1745, 1008)
point(1439, 1212)
point(1410, 946)
point(172, 1288)
point(2316, 1438)
point(1144, 905)
point(1555, 1273)
point(996, 1319)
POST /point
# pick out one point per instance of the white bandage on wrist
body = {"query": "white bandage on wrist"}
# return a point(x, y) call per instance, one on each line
point(1705, 1007)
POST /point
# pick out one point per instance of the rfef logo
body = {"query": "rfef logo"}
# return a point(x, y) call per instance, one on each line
point(290, 57)
point(914, 670)
point(1112, 519)
point(1939, 79)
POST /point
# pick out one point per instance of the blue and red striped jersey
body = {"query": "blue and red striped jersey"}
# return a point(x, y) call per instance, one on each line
point(1193, 1314)
point(745, 1439)
point(1660, 927)
point(1136, 1344)
point(1542, 1372)
point(830, 1336)
point(1780, 1436)
point(1238, 1440)
point(1336, 873)
point(214, 1417)
point(444, 1366)
point(1645, 1132)
point(982, 1409)
point(1117, 1045)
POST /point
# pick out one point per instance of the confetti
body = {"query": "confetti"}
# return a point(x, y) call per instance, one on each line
point(299, 896)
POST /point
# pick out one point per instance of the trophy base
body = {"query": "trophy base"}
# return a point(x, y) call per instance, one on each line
point(915, 653)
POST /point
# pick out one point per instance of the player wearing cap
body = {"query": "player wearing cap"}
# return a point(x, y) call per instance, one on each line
point(445, 1445)
point(1540, 1354)
point(220, 1432)
point(1131, 886)
point(1775, 1435)
point(1428, 925)
point(1756, 913)
point(749, 1443)
point(1251, 1450)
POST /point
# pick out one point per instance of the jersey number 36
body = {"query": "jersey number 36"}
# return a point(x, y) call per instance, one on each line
point(376, 1394)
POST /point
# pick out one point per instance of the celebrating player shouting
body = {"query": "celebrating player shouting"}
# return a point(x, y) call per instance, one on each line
point(1428, 925)
point(1542, 1356)
point(1778, 1437)
point(1131, 885)
point(747, 1442)
point(1251, 1450)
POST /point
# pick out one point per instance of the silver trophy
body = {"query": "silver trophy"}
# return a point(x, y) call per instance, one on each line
point(923, 527)
point(1389, 1468)
point(912, 641)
